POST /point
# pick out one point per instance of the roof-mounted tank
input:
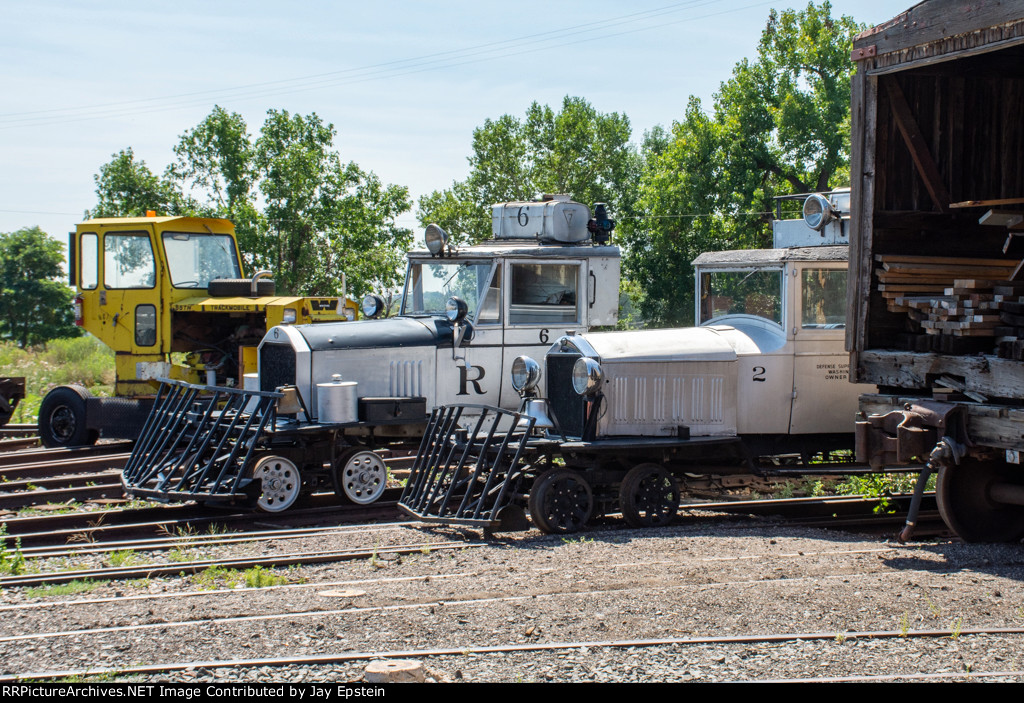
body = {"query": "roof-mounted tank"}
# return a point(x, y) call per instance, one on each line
point(551, 219)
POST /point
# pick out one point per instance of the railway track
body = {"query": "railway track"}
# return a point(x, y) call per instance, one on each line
point(278, 664)
point(165, 528)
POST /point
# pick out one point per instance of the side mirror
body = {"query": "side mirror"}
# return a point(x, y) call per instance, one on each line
point(456, 311)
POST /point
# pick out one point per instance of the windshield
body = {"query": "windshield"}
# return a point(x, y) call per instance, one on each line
point(757, 293)
point(195, 259)
point(428, 285)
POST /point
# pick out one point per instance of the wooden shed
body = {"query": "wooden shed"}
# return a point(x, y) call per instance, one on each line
point(938, 200)
point(936, 288)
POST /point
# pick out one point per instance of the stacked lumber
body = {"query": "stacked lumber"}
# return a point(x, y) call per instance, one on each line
point(954, 305)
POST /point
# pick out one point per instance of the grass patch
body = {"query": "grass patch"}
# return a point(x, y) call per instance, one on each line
point(124, 557)
point(223, 577)
point(12, 561)
point(64, 589)
point(83, 360)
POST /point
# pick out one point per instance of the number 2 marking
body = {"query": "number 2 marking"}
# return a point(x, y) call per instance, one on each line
point(759, 374)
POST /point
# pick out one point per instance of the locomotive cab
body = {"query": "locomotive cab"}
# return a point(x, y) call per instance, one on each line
point(768, 350)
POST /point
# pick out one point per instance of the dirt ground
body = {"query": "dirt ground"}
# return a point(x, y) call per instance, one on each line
point(813, 590)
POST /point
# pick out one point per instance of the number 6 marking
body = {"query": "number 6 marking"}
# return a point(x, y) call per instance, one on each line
point(544, 336)
point(522, 218)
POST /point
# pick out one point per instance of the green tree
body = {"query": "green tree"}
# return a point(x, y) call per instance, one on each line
point(577, 151)
point(780, 125)
point(35, 303)
point(127, 188)
point(298, 209)
point(324, 218)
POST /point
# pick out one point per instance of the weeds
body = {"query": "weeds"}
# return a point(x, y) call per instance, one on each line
point(180, 555)
point(904, 624)
point(65, 589)
point(955, 627)
point(82, 360)
point(258, 577)
point(215, 576)
point(578, 540)
point(12, 561)
point(935, 610)
point(124, 557)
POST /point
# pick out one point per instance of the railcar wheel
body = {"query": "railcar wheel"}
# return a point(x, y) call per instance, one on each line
point(282, 483)
point(62, 418)
point(648, 496)
point(560, 501)
point(968, 497)
point(360, 477)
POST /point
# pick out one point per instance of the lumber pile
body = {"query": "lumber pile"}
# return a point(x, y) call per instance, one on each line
point(955, 305)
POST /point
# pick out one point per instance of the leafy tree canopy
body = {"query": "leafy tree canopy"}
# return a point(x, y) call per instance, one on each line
point(577, 151)
point(35, 303)
point(780, 125)
point(298, 209)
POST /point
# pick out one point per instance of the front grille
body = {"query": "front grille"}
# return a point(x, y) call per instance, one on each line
point(566, 406)
point(277, 366)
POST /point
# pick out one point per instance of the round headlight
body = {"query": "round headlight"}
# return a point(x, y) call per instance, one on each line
point(373, 306)
point(456, 309)
point(525, 374)
point(818, 212)
point(435, 239)
point(586, 376)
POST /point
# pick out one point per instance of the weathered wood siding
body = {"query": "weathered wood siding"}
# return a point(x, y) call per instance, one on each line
point(937, 118)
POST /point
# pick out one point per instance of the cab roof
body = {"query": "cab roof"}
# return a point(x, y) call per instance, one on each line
point(159, 220)
point(493, 248)
point(748, 257)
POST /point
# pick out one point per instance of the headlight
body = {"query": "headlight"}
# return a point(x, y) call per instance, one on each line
point(586, 376)
point(373, 306)
point(435, 239)
point(525, 374)
point(289, 316)
point(456, 309)
point(818, 212)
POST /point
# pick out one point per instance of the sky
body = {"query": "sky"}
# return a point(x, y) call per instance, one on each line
point(404, 83)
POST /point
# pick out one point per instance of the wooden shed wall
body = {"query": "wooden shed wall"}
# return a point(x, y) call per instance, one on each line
point(935, 122)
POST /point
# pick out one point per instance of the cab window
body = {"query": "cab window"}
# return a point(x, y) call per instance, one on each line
point(490, 307)
point(195, 259)
point(429, 285)
point(89, 262)
point(128, 261)
point(823, 299)
point(543, 293)
point(757, 293)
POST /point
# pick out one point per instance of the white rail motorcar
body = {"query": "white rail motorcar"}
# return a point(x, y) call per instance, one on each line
point(632, 413)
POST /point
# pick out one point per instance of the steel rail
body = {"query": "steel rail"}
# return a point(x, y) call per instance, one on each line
point(228, 591)
point(52, 496)
point(54, 530)
point(481, 601)
point(62, 455)
point(200, 540)
point(508, 649)
point(17, 444)
point(195, 567)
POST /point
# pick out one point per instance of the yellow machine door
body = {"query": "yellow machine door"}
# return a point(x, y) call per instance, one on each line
point(130, 303)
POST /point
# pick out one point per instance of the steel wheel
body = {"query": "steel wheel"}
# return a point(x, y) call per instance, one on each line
point(282, 484)
point(648, 496)
point(968, 507)
point(560, 501)
point(361, 477)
